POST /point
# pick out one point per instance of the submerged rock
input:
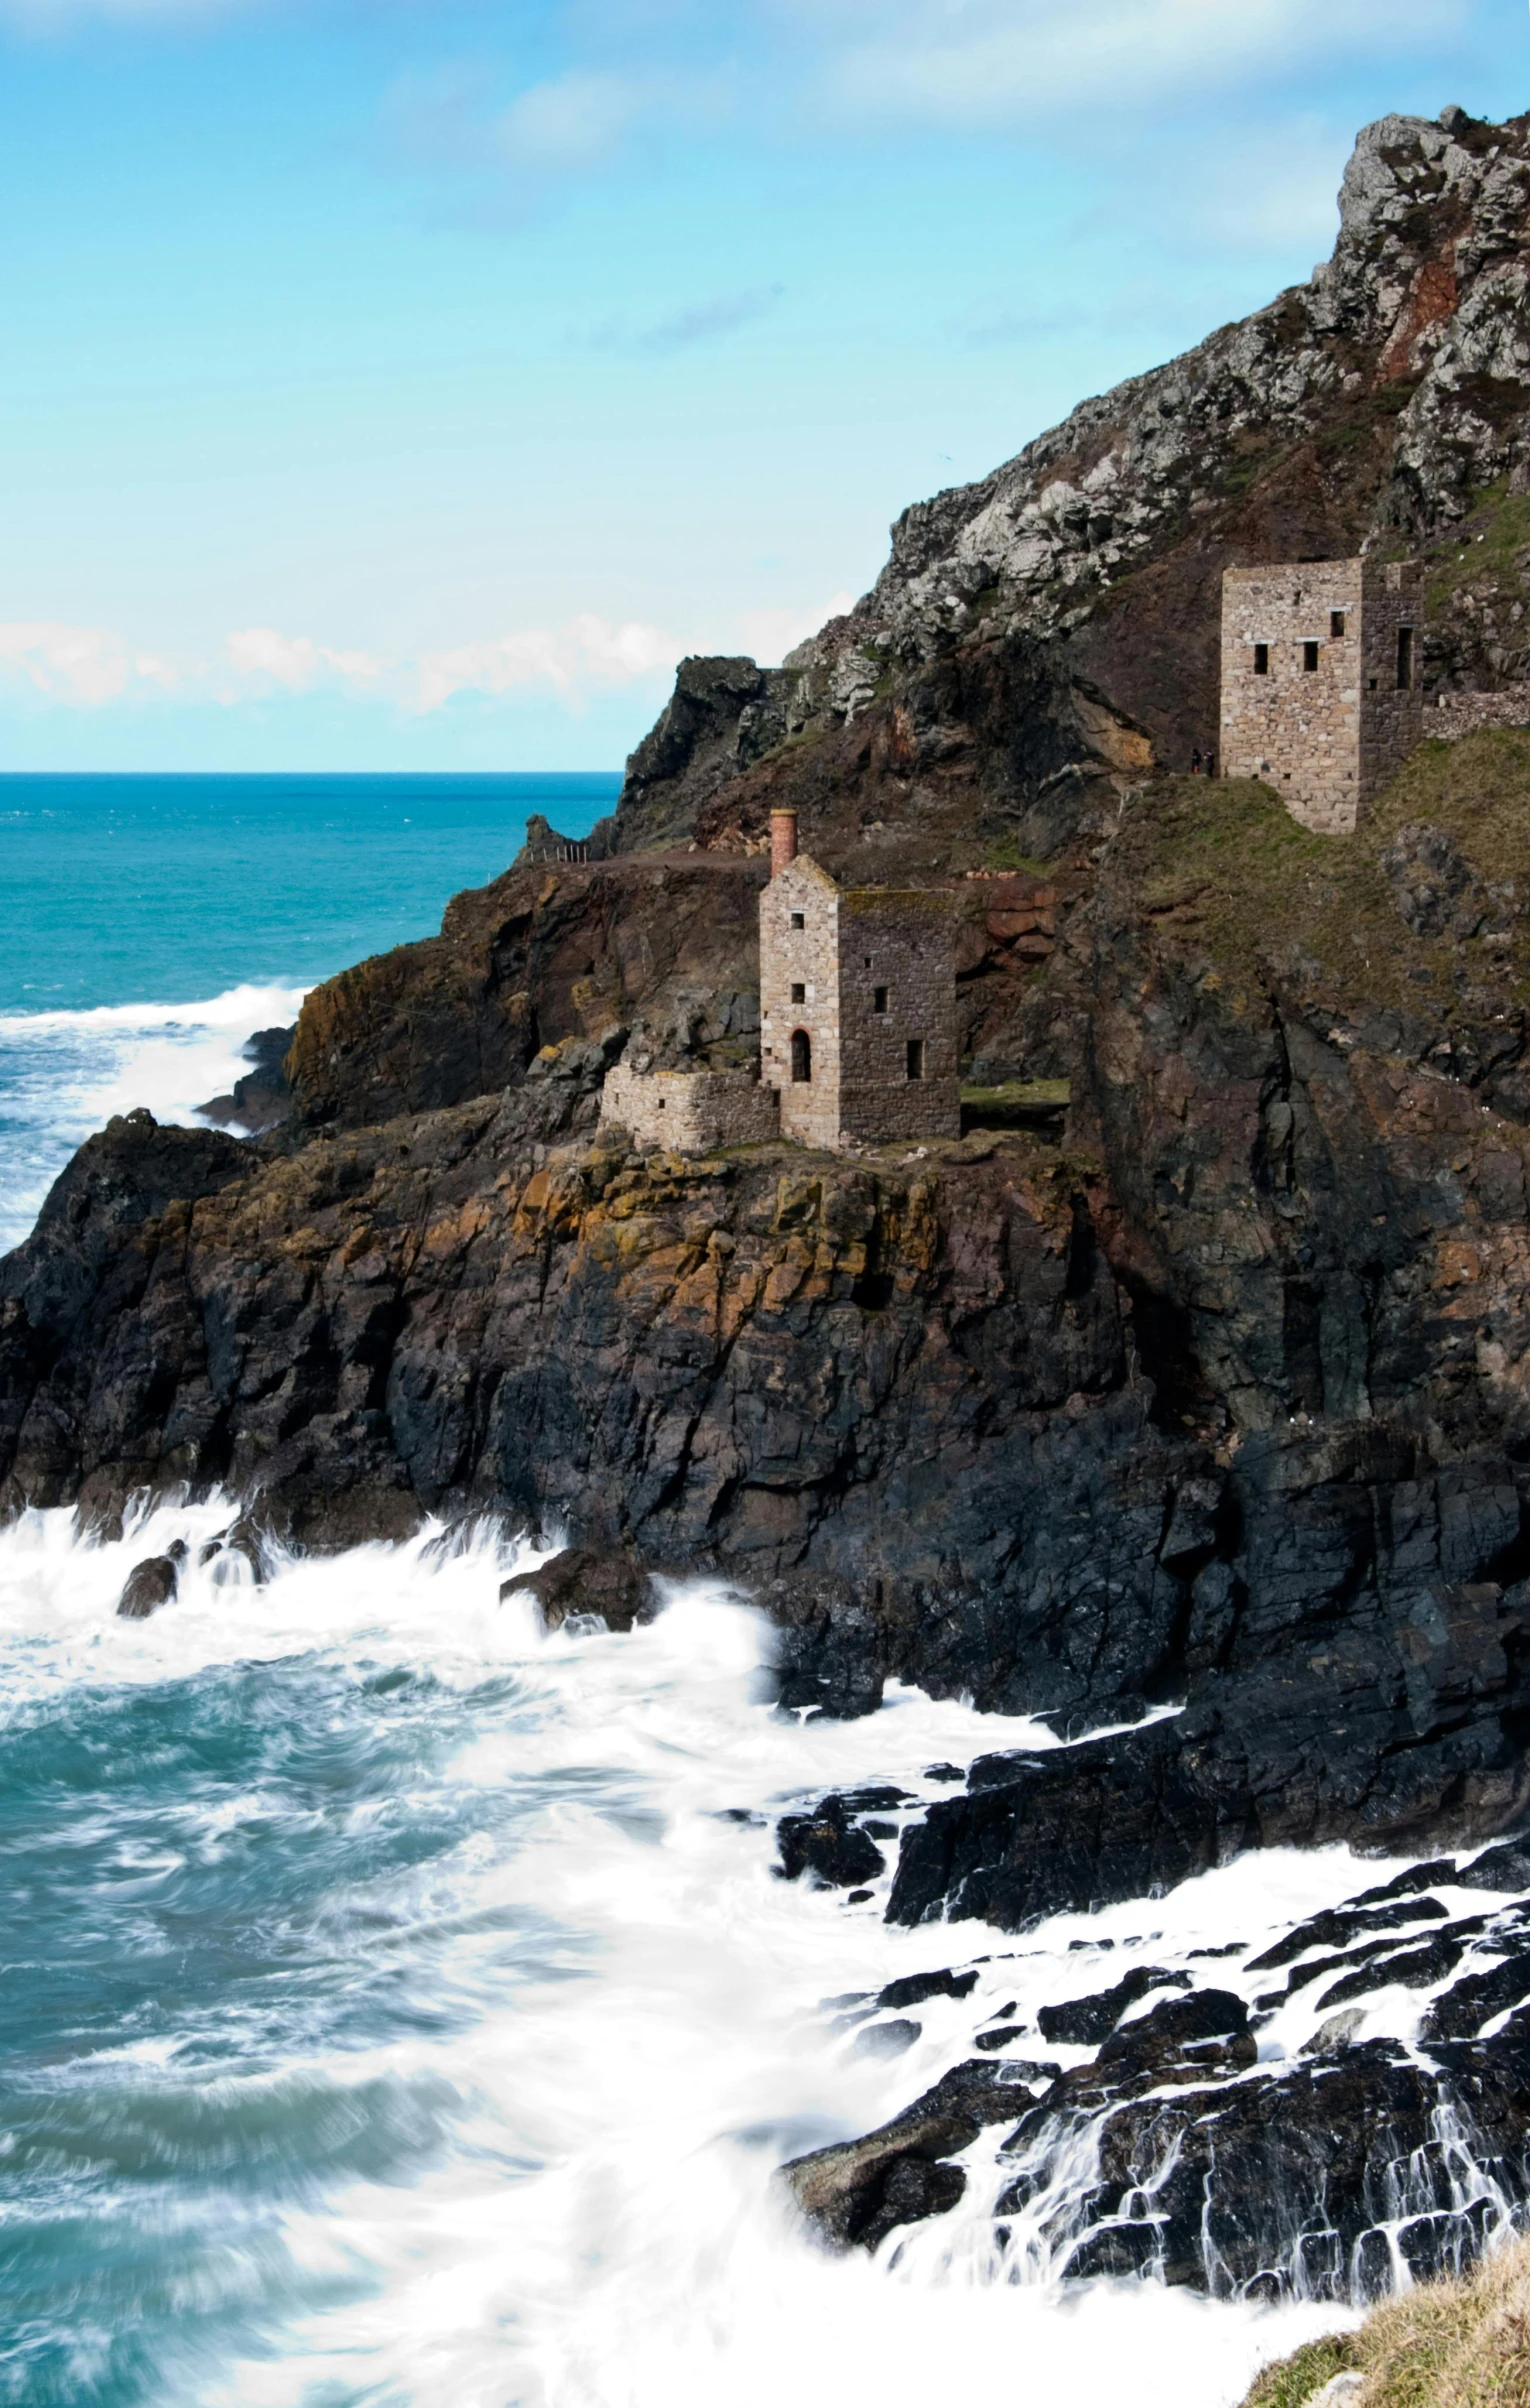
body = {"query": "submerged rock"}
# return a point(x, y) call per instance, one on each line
point(584, 1590)
point(828, 1844)
point(151, 1584)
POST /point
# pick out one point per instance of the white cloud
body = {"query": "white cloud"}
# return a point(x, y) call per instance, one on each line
point(1001, 62)
point(587, 651)
point(572, 124)
point(261, 658)
point(83, 666)
point(771, 634)
point(87, 668)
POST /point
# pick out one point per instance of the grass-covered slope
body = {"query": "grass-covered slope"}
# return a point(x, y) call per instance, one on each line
point(1389, 918)
point(1449, 2344)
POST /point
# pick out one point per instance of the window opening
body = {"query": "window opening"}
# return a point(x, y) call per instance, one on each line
point(802, 1058)
point(1336, 623)
point(799, 994)
point(1261, 660)
point(1309, 656)
point(798, 920)
point(663, 1100)
point(1404, 656)
point(879, 1000)
point(916, 1057)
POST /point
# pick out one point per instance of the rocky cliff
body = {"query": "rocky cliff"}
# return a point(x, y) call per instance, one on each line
point(1036, 639)
point(1222, 1402)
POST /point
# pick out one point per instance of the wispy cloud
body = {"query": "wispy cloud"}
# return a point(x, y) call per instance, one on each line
point(770, 634)
point(702, 322)
point(89, 668)
point(93, 668)
point(587, 651)
point(589, 121)
point(83, 666)
point(1002, 62)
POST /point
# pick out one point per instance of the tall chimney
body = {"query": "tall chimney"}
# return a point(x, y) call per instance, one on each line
point(783, 840)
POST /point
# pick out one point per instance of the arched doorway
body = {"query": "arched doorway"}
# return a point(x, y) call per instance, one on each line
point(802, 1057)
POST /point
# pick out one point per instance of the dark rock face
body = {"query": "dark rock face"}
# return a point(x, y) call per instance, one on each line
point(614, 1588)
point(148, 1586)
point(856, 2192)
point(722, 715)
point(546, 972)
point(1264, 2187)
point(1085, 2022)
point(262, 1099)
point(829, 1845)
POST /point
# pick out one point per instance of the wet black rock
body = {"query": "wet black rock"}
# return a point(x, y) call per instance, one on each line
point(583, 1581)
point(889, 2039)
point(1506, 1867)
point(1414, 1968)
point(855, 2192)
point(1177, 2029)
point(829, 1845)
point(1104, 1820)
point(151, 1584)
point(1411, 1882)
point(1460, 2012)
point(262, 1099)
point(912, 1989)
point(1291, 2183)
point(1085, 2022)
point(1340, 1925)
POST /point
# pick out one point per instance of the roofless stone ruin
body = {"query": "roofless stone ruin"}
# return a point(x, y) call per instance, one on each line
point(858, 1036)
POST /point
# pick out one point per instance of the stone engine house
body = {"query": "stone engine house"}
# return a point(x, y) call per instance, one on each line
point(1321, 681)
point(858, 1035)
point(857, 1003)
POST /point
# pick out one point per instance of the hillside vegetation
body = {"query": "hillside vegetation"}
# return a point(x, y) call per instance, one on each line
point(1427, 905)
point(1449, 2344)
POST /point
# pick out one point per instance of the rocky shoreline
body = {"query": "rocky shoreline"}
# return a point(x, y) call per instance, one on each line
point(1195, 1413)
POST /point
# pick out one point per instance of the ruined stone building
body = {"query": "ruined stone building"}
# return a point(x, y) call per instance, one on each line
point(1321, 687)
point(857, 1003)
point(858, 1037)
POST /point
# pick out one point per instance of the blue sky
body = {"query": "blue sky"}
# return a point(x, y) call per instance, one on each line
point(408, 383)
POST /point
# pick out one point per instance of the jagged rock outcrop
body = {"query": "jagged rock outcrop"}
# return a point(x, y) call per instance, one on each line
point(1037, 638)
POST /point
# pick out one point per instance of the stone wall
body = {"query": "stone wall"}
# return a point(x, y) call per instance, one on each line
point(897, 947)
point(1392, 719)
point(1324, 721)
point(690, 1111)
point(1297, 728)
point(799, 990)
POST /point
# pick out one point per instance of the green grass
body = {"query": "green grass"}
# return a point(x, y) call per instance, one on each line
point(1041, 1094)
point(1491, 542)
point(1292, 2380)
point(1448, 2344)
point(1232, 880)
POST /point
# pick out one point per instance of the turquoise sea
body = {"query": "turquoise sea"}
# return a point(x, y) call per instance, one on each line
point(398, 2006)
point(148, 925)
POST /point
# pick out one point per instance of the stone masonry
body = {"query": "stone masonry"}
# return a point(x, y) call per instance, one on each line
point(857, 1006)
point(690, 1111)
point(857, 1024)
point(1321, 681)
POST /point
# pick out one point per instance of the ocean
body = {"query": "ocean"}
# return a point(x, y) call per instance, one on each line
point(399, 2006)
point(149, 925)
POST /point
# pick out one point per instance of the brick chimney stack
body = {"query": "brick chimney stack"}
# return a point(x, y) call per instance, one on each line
point(783, 840)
